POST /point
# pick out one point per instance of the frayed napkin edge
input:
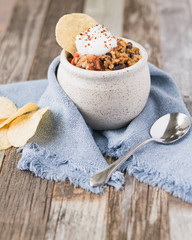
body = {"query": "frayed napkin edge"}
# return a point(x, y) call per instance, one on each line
point(32, 161)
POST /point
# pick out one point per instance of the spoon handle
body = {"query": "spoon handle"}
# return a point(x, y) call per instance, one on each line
point(103, 176)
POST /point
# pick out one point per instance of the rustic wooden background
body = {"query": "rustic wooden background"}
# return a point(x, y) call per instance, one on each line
point(32, 208)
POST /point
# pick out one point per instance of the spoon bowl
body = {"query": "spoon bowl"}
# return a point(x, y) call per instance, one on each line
point(170, 127)
point(167, 129)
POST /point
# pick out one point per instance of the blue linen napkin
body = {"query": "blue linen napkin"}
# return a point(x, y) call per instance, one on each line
point(66, 148)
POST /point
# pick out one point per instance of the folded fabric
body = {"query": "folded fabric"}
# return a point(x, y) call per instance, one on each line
point(66, 148)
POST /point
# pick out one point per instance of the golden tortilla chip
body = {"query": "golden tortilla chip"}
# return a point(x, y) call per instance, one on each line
point(24, 127)
point(69, 26)
point(2, 120)
point(7, 107)
point(4, 142)
point(25, 109)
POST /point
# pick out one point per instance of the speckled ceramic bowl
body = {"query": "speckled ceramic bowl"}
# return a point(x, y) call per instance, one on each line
point(107, 99)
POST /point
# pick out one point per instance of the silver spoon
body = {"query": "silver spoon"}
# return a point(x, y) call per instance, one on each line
point(167, 129)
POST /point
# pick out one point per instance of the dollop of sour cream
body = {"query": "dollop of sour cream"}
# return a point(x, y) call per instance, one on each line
point(96, 40)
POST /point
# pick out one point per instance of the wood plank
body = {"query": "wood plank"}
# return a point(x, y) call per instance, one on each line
point(175, 19)
point(178, 64)
point(141, 23)
point(18, 44)
point(180, 215)
point(24, 199)
point(36, 201)
point(118, 211)
point(1, 158)
point(76, 214)
point(23, 224)
point(6, 7)
point(137, 212)
point(48, 48)
point(140, 211)
point(108, 13)
point(157, 219)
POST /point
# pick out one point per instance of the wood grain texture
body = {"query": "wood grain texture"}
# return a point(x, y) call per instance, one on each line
point(6, 7)
point(140, 211)
point(18, 44)
point(176, 32)
point(137, 212)
point(48, 48)
point(76, 214)
point(180, 215)
point(24, 199)
point(175, 22)
point(30, 219)
point(141, 23)
point(1, 158)
point(157, 218)
point(108, 13)
point(118, 211)
point(178, 63)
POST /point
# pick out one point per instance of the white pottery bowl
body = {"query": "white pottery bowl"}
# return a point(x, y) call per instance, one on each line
point(107, 99)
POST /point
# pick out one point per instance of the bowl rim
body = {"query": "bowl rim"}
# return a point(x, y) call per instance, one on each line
point(91, 73)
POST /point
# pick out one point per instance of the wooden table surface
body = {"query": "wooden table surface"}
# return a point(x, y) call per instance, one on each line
point(32, 208)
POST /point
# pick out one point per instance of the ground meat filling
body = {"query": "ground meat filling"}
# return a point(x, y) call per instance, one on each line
point(124, 55)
